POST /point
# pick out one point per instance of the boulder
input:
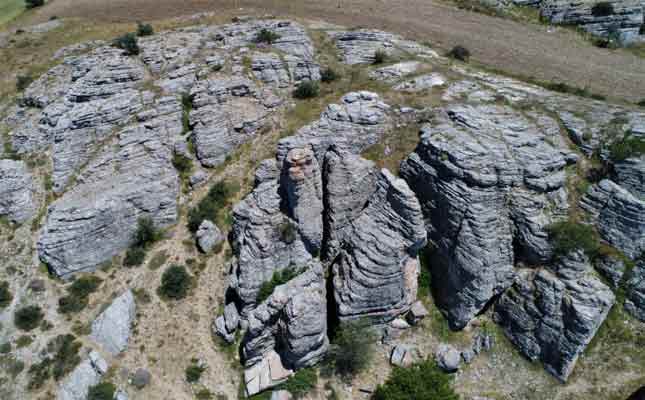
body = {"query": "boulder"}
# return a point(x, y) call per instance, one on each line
point(111, 329)
point(403, 356)
point(267, 373)
point(635, 301)
point(141, 378)
point(551, 314)
point(448, 358)
point(16, 191)
point(417, 313)
point(88, 373)
point(489, 182)
point(281, 395)
point(208, 236)
point(619, 216)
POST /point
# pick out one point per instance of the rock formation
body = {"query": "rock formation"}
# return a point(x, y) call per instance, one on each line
point(16, 191)
point(88, 373)
point(111, 329)
point(635, 302)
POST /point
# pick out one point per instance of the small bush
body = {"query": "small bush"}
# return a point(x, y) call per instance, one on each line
point(102, 391)
point(630, 146)
point(23, 82)
point(193, 373)
point(128, 43)
point(641, 102)
point(380, 56)
point(72, 304)
point(351, 349)
point(78, 294)
point(306, 90)
point(65, 350)
point(210, 206)
point(187, 107)
point(301, 383)
point(288, 232)
point(266, 36)
point(134, 256)
point(182, 164)
point(34, 3)
point(459, 53)
point(5, 295)
point(422, 381)
point(144, 29)
point(278, 278)
point(39, 374)
point(175, 282)
point(602, 9)
point(328, 75)
point(146, 233)
point(568, 236)
point(28, 318)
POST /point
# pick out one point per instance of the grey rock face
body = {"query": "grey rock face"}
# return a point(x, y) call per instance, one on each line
point(88, 373)
point(552, 314)
point(448, 358)
point(395, 71)
point(267, 373)
point(375, 275)
point(357, 123)
point(226, 113)
point(420, 83)
point(359, 46)
point(111, 329)
point(281, 395)
point(625, 20)
point(488, 180)
point(208, 236)
point(612, 268)
point(619, 216)
point(417, 312)
point(302, 184)
point(95, 220)
point(291, 322)
point(271, 69)
point(630, 174)
point(16, 187)
point(226, 325)
point(635, 302)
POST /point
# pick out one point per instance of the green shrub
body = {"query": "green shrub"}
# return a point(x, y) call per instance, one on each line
point(602, 9)
point(278, 278)
point(72, 304)
point(288, 232)
point(194, 372)
point(422, 381)
point(134, 256)
point(39, 374)
point(266, 36)
point(301, 383)
point(380, 56)
point(628, 147)
point(78, 294)
point(182, 164)
point(146, 233)
point(23, 82)
point(187, 107)
point(210, 206)
point(5, 295)
point(144, 29)
point(34, 3)
point(641, 102)
point(306, 90)
point(28, 318)
point(459, 53)
point(328, 75)
point(205, 394)
point(64, 358)
point(175, 282)
point(568, 236)
point(128, 43)
point(351, 349)
point(102, 391)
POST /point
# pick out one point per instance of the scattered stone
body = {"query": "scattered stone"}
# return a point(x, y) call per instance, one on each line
point(402, 356)
point(423, 82)
point(448, 358)
point(359, 46)
point(141, 378)
point(198, 179)
point(417, 312)
point(396, 71)
point(37, 285)
point(111, 329)
point(208, 236)
point(281, 395)
point(267, 373)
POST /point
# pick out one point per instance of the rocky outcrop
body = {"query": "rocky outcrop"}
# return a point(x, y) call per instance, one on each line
point(267, 373)
point(291, 322)
point(16, 191)
point(635, 301)
point(624, 20)
point(360, 46)
point(88, 373)
point(630, 174)
point(375, 273)
point(111, 329)
point(619, 216)
point(422, 82)
point(396, 71)
point(96, 220)
point(611, 268)
point(551, 314)
point(489, 183)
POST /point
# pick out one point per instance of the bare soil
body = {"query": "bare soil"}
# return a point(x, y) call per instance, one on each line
point(523, 49)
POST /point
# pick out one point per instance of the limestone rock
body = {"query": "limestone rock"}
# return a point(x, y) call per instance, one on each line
point(396, 71)
point(612, 268)
point(489, 183)
point(403, 356)
point(291, 322)
point(635, 302)
point(448, 358)
point(208, 236)
point(359, 46)
point(375, 275)
point(141, 378)
point(551, 314)
point(88, 373)
point(281, 395)
point(16, 191)
point(269, 372)
point(417, 313)
point(420, 83)
point(619, 216)
point(630, 174)
point(111, 329)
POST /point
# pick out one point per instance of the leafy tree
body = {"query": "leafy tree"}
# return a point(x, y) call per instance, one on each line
point(422, 381)
point(175, 282)
point(28, 318)
point(351, 349)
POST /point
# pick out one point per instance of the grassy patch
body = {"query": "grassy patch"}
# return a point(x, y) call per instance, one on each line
point(213, 206)
point(629, 146)
point(158, 260)
point(5, 295)
point(279, 278)
point(569, 236)
point(351, 350)
point(194, 372)
point(301, 383)
point(10, 9)
point(394, 147)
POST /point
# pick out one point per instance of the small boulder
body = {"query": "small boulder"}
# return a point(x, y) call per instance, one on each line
point(219, 328)
point(141, 378)
point(208, 236)
point(281, 395)
point(448, 358)
point(37, 285)
point(111, 329)
point(402, 356)
point(417, 313)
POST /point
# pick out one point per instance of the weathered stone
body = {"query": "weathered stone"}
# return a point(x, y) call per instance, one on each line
point(630, 174)
point(612, 268)
point(375, 275)
point(619, 216)
point(219, 328)
point(16, 191)
point(281, 395)
point(635, 302)
point(111, 329)
point(360, 46)
point(88, 373)
point(141, 378)
point(402, 356)
point(551, 314)
point(417, 313)
point(232, 317)
point(448, 358)
point(267, 373)
point(423, 82)
point(208, 236)
point(489, 183)
point(396, 71)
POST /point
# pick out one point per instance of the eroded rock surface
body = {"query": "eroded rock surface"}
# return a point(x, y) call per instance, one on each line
point(111, 329)
point(635, 302)
point(551, 314)
point(88, 373)
point(360, 46)
point(16, 191)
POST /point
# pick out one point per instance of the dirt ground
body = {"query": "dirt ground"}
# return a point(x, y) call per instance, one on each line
point(517, 48)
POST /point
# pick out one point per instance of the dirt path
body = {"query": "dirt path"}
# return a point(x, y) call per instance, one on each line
point(513, 47)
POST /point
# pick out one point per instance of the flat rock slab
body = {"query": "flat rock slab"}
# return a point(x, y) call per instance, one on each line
point(111, 329)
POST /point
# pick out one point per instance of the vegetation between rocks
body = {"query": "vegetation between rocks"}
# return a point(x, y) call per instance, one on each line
point(422, 381)
point(351, 349)
point(128, 43)
point(175, 283)
point(101, 391)
point(144, 29)
point(78, 294)
point(145, 235)
point(28, 318)
point(211, 206)
point(60, 359)
point(279, 278)
point(5, 295)
point(629, 146)
point(568, 236)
